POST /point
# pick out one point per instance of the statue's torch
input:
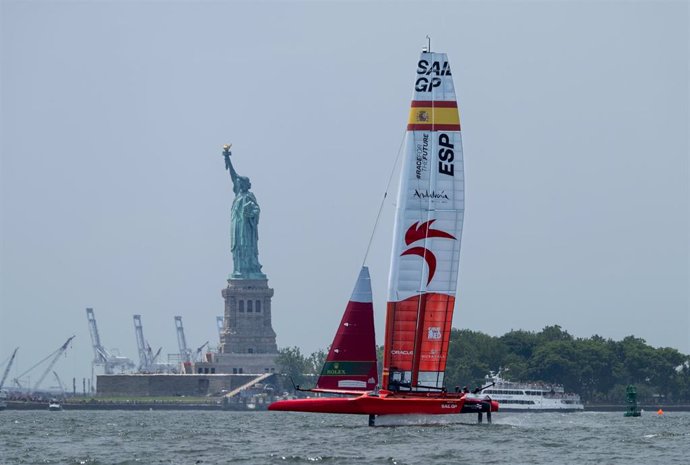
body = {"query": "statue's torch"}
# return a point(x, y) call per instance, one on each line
point(226, 155)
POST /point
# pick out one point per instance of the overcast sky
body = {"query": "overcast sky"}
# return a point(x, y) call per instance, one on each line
point(114, 193)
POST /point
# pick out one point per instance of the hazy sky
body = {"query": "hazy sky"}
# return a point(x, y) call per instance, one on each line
point(114, 193)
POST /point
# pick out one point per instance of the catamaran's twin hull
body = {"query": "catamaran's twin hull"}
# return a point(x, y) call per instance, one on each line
point(387, 404)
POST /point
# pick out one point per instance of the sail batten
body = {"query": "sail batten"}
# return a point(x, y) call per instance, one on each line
point(427, 233)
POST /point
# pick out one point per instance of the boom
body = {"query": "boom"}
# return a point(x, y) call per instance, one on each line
point(197, 354)
point(54, 360)
point(154, 357)
point(8, 367)
point(62, 386)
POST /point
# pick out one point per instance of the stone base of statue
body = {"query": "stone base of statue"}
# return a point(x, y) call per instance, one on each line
point(247, 326)
point(247, 341)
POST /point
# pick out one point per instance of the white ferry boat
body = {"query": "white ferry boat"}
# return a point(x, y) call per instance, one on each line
point(532, 397)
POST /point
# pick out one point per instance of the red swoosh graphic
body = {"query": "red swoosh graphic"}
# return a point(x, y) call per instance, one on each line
point(419, 231)
point(427, 255)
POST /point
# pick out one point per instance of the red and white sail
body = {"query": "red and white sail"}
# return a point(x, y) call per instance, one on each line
point(426, 239)
point(351, 361)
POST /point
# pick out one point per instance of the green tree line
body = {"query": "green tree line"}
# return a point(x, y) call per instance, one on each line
point(596, 368)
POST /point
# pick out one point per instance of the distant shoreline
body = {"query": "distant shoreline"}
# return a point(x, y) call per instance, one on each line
point(645, 407)
point(137, 405)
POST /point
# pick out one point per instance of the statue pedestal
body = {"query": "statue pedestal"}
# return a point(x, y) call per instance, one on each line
point(247, 342)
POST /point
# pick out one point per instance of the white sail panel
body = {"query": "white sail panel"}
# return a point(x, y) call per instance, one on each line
point(431, 190)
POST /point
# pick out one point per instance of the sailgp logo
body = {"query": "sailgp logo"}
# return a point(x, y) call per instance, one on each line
point(418, 232)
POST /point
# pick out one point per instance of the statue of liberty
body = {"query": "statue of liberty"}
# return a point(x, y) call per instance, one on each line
point(244, 232)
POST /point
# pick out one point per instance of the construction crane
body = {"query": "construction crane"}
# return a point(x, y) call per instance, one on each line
point(7, 368)
point(101, 355)
point(54, 360)
point(144, 351)
point(220, 323)
point(154, 357)
point(197, 354)
point(147, 358)
point(56, 355)
point(185, 352)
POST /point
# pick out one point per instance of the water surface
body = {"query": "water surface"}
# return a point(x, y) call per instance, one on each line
point(190, 437)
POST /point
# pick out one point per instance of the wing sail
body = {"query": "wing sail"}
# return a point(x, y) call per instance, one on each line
point(427, 233)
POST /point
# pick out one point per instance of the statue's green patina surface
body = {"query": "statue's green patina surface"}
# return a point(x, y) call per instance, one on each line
point(244, 232)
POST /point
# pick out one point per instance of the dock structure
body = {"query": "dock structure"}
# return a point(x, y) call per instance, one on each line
point(165, 385)
point(249, 385)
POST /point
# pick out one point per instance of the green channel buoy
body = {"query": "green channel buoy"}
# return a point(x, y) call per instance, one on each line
point(631, 398)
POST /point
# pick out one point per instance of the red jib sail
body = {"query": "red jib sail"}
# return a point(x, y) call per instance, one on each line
point(351, 361)
point(426, 241)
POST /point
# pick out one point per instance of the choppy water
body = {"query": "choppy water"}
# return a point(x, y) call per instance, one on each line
point(156, 437)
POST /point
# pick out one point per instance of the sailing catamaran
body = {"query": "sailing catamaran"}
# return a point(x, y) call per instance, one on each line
point(422, 281)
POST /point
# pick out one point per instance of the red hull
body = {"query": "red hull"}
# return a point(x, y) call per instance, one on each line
point(384, 404)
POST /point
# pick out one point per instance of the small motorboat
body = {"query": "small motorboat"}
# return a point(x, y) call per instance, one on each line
point(54, 405)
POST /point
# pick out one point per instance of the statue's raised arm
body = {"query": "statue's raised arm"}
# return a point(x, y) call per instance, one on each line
point(228, 163)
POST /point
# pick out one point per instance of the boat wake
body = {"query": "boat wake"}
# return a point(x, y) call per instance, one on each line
point(415, 420)
point(423, 420)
